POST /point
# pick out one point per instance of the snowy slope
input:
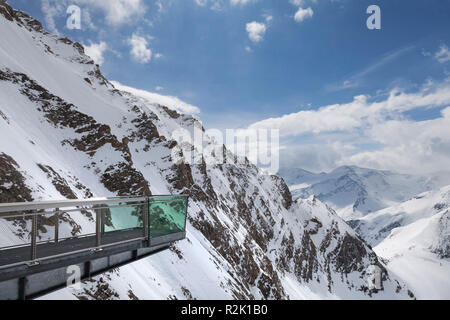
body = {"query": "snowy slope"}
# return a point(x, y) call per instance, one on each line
point(354, 192)
point(414, 237)
point(69, 133)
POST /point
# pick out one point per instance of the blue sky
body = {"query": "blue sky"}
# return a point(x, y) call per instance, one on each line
point(209, 54)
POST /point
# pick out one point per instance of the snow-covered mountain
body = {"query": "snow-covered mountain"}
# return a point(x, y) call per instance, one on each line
point(67, 132)
point(414, 238)
point(354, 192)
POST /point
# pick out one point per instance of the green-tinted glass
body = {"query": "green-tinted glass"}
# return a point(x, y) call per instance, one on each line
point(121, 216)
point(167, 215)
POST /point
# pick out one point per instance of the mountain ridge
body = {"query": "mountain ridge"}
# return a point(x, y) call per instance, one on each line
point(354, 191)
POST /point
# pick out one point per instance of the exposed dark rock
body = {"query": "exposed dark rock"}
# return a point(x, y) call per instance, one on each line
point(132, 296)
point(443, 248)
point(350, 254)
point(440, 206)
point(391, 226)
point(12, 182)
point(124, 180)
point(287, 252)
point(305, 259)
point(284, 191)
point(60, 183)
point(181, 179)
point(7, 11)
point(177, 251)
point(87, 192)
point(101, 291)
point(172, 113)
point(354, 224)
point(146, 130)
point(4, 117)
point(97, 74)
point(187, 293)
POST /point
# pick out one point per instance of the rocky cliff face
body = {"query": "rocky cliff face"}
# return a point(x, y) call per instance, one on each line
point(68, 133)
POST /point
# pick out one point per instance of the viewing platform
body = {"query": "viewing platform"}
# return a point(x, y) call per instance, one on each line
point(114, 232)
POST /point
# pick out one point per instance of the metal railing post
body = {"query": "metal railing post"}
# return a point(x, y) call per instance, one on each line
point(98, 229)
point(145, 214)
point(34, 228)
point(57, 226)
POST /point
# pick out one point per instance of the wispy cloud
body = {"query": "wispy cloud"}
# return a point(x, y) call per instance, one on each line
point(241, 2)
point(356, 80)
point(443, 55)
point(215, 5)
point(50, 10)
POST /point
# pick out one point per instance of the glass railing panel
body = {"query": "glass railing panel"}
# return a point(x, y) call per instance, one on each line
point(122, 216)
point(167, 215)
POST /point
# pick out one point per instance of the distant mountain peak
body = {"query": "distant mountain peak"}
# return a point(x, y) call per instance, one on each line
point(354, 191)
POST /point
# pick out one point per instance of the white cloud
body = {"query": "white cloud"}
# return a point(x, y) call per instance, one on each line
point(358, 113)
point(409, 146)
point(240, 2)
point(218, 5)
point(160, 6)
point(297, 3)
point(302, 14)
point(215, 5)
point(256, 31)
point(139, 49)
point(248, 49)
point(116, 12)
point(158, 55)
point(370, 133)
point(159, 88)
point(443, 55)
point(96, 51)
point(201, 2)
point(87, 20)
point(155, 98)
point(317, 156)
point(268, 18)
